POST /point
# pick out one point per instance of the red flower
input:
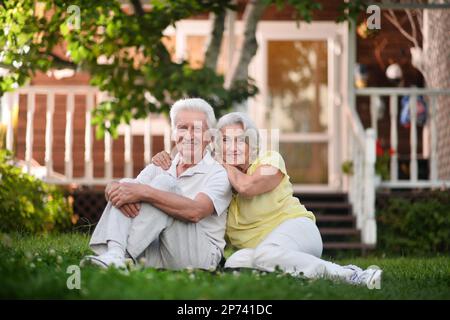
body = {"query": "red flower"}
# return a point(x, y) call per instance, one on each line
point(379, 148)
point(391, 151)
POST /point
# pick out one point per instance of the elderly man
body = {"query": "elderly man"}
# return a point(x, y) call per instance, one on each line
point(172, 219)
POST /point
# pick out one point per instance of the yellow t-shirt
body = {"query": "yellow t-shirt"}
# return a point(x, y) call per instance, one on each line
point(250, 220)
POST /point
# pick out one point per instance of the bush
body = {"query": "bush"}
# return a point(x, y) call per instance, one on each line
point(419, 224)
point(29, 205)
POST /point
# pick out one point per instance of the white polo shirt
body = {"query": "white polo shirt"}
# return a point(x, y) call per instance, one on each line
point(207, 177)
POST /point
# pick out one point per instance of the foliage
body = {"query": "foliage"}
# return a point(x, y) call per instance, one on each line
point(350, 10)
point(303, 9)
point(382, 166)
point(383, 160)
point(347, 167)
point(416, 225)
point(122, 50)
point(123, 53)
point(28, 204)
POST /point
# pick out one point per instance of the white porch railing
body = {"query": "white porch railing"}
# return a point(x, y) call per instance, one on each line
point(393, 94)
point(358, 145)
point(359, 148)
point(10, 100)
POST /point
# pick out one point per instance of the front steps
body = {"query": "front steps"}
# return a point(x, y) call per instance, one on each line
point(335, 220)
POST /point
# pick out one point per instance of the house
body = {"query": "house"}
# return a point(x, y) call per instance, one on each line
point(306, 79)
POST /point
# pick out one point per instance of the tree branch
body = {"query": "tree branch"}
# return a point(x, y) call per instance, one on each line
point(137, 6)
point(252, 14)
point(379, 47)
point(419, 19)
point(61, 63)
point(161, 50)
point(412, 23)
point(6, 66)
point(390, 15)
point(213, 50)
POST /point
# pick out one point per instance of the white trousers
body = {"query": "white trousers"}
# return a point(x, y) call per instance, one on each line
point(159, 239)
point(295, 247)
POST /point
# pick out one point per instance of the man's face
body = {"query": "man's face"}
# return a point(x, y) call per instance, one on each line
point(191, 135)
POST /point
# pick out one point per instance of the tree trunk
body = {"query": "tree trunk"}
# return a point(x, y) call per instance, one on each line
point(437, 73)
point(252, 14)
point(215, 41)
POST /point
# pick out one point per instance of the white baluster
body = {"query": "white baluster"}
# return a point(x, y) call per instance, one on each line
point(147, 140)
point(102, 96)
point(369, 230)
point(355, 184)
point(108, 156)
point(12, 102)
point(374, 113)
point(8, 104)
point(29, 130)
point(128, 141)
point(394, 137)
point(49, 134)
point(343, 141)
point(360, 178)
point(88, 162)
point(361, 181)
point(413, 137)
point(433, 157)
point(68, 159)
point(349, 156)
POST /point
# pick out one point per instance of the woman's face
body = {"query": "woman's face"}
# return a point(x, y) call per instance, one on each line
point(235, 148)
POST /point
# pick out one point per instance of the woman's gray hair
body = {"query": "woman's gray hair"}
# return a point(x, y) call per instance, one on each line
point(250, 129)
point(194, 104)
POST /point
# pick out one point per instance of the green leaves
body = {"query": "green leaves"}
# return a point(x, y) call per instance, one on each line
point(419, 225)
point(350, 10)
point(303, 9)
point(122, 52)
point(27, 204)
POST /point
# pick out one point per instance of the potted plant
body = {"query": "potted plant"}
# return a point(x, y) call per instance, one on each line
point(383, 160)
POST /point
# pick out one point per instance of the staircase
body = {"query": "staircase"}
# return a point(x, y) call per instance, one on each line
point(335, 220)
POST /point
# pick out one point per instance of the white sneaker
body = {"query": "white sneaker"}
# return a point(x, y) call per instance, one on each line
point(369, 277)
point(353, 268)
point(105, 261)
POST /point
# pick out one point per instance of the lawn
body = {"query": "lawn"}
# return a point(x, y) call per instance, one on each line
point(35, 267)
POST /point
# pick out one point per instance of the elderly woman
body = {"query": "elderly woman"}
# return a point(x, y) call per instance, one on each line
point(170, 219)
point(265, 221)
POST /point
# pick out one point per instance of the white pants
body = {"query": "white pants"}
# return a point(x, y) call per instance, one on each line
point(162, 241)
point(295, 247)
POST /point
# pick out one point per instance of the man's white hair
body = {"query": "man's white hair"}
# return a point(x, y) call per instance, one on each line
point(249, 127)
point(194, 104)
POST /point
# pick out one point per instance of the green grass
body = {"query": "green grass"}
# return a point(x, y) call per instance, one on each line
point(35, 267)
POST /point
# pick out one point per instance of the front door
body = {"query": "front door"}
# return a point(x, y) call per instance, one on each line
point(300, 98)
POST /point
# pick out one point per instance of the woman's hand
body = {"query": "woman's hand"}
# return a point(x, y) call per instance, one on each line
point(162, 159)
point(126, 193)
